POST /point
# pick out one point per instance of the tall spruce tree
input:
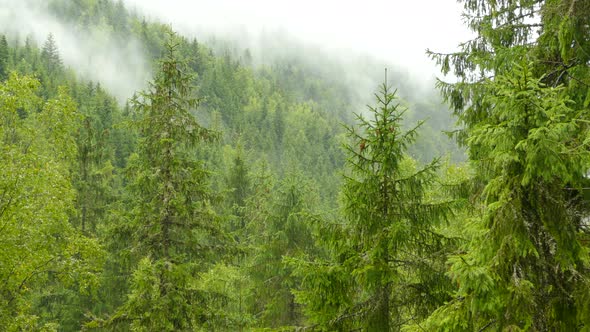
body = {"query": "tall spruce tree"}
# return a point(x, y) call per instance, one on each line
point(387, 259)
point(176, 232)
point(522, 100)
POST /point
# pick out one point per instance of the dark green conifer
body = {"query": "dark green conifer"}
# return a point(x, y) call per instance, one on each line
point(387, 258)
point(50, 55)
point(177, 233)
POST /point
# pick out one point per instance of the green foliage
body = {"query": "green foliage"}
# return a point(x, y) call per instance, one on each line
point(175, 229)
point(139, 179)
point(42, 252)
point(50, 56)
point(97, 159)
point(229, 291)
point(279, 228)
point(533, 150)
point(387, 258)
point(521, 101)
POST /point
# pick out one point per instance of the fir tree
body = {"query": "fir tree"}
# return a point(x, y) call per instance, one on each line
point(387, 260)
point(176, 230)
point(522, 104)
point(50, 54)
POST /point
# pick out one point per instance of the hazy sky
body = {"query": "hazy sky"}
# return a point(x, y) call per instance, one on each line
point(397, 31)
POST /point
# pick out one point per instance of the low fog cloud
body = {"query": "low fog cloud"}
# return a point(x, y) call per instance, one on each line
point(391, 32)
point(394, 31)
point(120, 68)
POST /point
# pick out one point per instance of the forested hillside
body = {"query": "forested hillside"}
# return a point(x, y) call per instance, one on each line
point(234, 193)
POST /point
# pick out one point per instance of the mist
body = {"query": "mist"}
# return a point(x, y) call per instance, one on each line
point(341, 41)
point(121, 68)
point(392, 33)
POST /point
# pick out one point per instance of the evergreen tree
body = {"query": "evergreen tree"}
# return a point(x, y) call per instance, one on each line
point(282, 231)
point(522, 104)
point(238, 181)
point(119, 18)
point(95, 175)
point(387, 258)
point(153, 211)
point(50, 55)
point(176, 232)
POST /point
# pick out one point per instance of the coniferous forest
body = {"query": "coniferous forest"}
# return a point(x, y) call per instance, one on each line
point(231, 195)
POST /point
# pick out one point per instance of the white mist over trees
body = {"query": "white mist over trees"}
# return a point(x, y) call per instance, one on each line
point(117, 60)
point(375, 27)
point(347, 47)
point(349, 42)
point(92, 51)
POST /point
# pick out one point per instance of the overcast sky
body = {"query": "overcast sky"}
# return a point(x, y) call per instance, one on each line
point(396, 31)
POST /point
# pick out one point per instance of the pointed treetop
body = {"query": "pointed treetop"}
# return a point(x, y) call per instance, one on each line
point(50, 53)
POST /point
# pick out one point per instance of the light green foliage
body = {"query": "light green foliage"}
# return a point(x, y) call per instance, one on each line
point(521, 101)
point(523, 266)
point(143, 190)
point(41, 251)
point(229, 291)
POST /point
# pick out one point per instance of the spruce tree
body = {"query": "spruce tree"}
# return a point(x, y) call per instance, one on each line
point(95, 179)
point(239, 183)
point(176, 232)
point(282, 231)
point(522, 103)
point(50, 55)
point(387, 258)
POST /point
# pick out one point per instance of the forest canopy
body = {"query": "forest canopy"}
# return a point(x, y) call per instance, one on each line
point(231, 195)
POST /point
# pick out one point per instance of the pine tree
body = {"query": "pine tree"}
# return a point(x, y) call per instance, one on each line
point(387, 260)
point(522, 102)
point(177, 234)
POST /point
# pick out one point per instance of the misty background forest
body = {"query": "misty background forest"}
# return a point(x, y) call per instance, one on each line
point(153, 180)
